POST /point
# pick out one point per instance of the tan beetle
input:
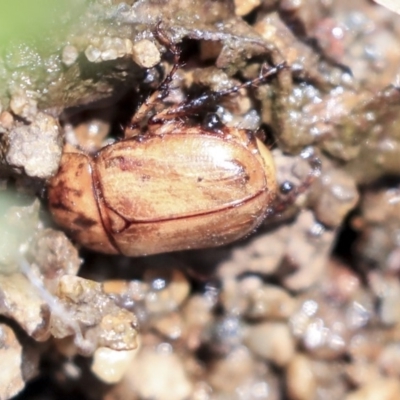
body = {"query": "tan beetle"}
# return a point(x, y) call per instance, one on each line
point(175, 186)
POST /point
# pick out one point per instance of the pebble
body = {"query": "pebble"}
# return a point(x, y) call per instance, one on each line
point(383, 389)
point(18, 363)
point(158, 373)
point(146, 54)
point(111, 365)
point(333, 196)
point(69, 55)
point(36, 148)
point(85, 310)
point(271, 341)
point(22, 302)
point(168, 288)
point(244, 7)
point(300, 378)
point(227, 373)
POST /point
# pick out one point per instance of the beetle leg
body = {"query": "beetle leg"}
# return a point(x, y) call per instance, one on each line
point(162, 37)
point(184, 108)
point(133, 128)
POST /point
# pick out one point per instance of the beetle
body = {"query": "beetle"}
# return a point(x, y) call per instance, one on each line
point(168, 186)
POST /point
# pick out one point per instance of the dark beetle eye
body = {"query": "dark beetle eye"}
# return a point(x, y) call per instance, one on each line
point(286, 187)
point(212, 123)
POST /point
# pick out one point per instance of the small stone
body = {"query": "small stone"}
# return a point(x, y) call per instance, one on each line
point(113, 48)
point(21, 301)
point(271, 341)
point(169, 325)
point(383, 389)
point(111, 365)
point(307, 248)
point(226, 374)
point(36, 147)
point(158, 373)
point(6, 120)
point(197, 315)
point(244, 7)
point(54, 254)
point(322, 328)
point(145, 53)
point(333, 196)
point(389, 360)
point(69, 55)
point(300, 379)
point(90, 134)
point(92, 316)
point(93, 54)
point(18, 363)
point(23, 106)
point(270, 301)
point(117, 330)
point(362, 371)
point(168, 289)
point(109, 54)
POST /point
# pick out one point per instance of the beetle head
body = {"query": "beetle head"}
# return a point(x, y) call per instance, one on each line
point(72, 201)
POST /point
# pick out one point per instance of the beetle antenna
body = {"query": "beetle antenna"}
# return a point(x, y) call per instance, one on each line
point(205, 98)
point(265, 72)
point(160, 34)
